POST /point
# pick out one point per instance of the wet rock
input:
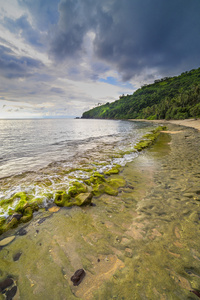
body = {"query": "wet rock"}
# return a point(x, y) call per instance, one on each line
point(17, 216)
point(22, 231)
point(196, 292)
point(6, 241)
point(76, 189)
point(16, 257)
point(83, 199)
point(5, 284)
point(11, 293)
point(11, 224)
point(129, 252)
point(41, 220)
point(78, 277)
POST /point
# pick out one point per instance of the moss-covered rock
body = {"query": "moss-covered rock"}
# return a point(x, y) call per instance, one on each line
point(148, 139)
point(22, 201)
point(112, 171)
point(116, 182)
point(28, 214)
point(110, 190)
point(83, 199)
point(61, 197)
point(77, 188)
point(11, 224)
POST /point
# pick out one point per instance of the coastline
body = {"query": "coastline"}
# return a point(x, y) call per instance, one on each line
point(143, 243)
point(194, 123)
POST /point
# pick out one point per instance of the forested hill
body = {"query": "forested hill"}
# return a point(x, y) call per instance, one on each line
point(168, 98)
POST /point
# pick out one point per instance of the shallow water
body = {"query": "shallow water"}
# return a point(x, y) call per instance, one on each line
point(39, 157)
point(141, 244)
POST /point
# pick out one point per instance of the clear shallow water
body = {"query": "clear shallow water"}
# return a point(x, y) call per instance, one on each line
point(40, 156)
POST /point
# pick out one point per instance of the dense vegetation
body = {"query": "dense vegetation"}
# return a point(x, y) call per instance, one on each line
point(168, 98)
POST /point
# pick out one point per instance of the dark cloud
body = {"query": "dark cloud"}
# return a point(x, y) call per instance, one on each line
point(131, 35)
point(57, 90)
point(22, 27)
point(12, 66)
point(45, 12)
point(134, 37)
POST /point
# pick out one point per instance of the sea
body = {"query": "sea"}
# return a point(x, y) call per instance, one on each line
point(40, 156)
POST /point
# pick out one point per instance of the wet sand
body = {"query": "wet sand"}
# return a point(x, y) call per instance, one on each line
point(141, 244)
point(194, 123)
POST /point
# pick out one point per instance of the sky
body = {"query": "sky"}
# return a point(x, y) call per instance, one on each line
point(59, 58)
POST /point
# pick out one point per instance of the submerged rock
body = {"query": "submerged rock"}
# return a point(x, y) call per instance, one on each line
point(78, 277)
point(83, 199)
point(11, 293)
point(77, 188)
point(5, 284)
point(22, 231)
point(7, 241)
point(61, 198)
point(16, 257)
point(112, 171)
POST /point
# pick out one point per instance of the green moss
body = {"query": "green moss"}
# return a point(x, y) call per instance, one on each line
point(149, 138)
point(98, 190)
point(142, 145)
point(28, 214)
point(112, 171)
point(22, 201)
point(76, 189)
point(110, 191)
point(12, 224)
point(83, 199)
point(116, 182)
point(61, 197)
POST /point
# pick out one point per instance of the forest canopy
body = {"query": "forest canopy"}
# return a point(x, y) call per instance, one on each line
point(168, 98)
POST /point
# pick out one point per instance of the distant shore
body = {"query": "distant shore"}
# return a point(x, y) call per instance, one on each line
point(194, 123)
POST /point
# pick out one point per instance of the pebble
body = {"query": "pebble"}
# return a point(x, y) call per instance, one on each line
point(54, 209)
point(22, 231)
point(5, 283)
point(78, 277)
point(6, 241)
point(11, 293)
point(17, 256)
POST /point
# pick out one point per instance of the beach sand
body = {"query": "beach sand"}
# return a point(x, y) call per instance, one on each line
point(141, 244)
point(194, 123)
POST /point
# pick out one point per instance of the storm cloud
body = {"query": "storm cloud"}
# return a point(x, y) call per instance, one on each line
point(132, 36)
point(72, 54)
point(16, 67)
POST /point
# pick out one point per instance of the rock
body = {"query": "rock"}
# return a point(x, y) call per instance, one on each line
point(83, 199)
point(17, 216)
point(129, 252)
point(16, 257)
point(196, 292)
point(6, 283)
point(13, 223)
point(7, 241)
point(110, 191)
point(22, 231)
point(112, 171)
point(54, 209)
point(42, 220)
point(61, 197)
point(11, 293)
point(78, 277)
point(77, 188)
point(28, 214)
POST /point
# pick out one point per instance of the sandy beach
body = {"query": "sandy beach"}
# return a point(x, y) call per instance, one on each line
point(140, 244)
point(194, 123)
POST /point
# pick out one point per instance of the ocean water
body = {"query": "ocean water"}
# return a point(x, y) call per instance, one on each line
point(41, 156)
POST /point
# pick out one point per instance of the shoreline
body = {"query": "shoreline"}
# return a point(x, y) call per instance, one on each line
point(194, 123)
point(142, 243)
